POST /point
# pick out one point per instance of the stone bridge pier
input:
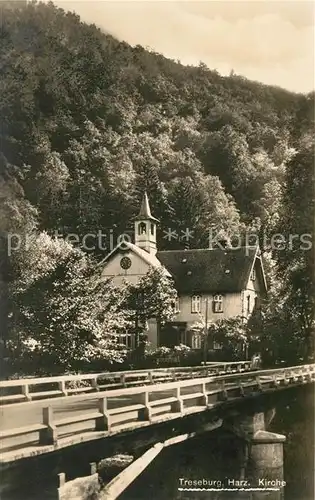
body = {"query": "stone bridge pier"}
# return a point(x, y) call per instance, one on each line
point(261, 455)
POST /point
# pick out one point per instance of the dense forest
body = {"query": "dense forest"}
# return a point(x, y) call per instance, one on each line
point(89, 122)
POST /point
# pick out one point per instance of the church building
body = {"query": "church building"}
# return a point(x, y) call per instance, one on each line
point(211, 283)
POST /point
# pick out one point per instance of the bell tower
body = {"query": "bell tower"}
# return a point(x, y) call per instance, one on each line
point(145, 227)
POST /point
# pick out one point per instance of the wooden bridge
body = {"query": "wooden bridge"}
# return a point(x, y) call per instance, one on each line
point(40, 416)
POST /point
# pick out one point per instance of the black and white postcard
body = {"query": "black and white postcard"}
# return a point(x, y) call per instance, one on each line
point(156, 250)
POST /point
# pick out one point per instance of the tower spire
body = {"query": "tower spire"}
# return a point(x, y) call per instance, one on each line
point(145, 211)
point(145, 227)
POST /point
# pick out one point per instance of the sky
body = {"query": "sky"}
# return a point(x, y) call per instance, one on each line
point(267, 40)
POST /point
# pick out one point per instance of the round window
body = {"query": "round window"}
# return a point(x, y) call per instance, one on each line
point(125, 263)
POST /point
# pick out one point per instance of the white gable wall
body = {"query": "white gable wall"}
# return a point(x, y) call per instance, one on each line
point(252, 290)
point(137, 269)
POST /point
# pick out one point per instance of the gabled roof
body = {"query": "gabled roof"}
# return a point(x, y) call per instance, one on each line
point(206, 270)
point(124, 246)
point(145, 211)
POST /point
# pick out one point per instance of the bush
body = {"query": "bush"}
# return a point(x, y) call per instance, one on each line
point(157, 358)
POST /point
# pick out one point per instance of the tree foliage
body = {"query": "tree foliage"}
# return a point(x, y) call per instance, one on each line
point(88, 122)
point(295, 260)
point(92, 121)
point(231, 334)
point(64, 316)
point(153, 296)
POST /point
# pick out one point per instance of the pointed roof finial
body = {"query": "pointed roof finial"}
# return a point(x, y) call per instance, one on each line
point(145, 211)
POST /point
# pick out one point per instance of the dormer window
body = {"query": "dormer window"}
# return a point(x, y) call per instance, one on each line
point(196, 304)
point(217, 303)
point(253, 275)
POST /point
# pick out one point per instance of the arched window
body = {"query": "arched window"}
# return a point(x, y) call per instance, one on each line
point(218, 303)
point(142, 228)
point(152, 228)
point(195, 304)
point(248, 304)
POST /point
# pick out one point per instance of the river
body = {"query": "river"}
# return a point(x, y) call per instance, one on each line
point(213, 456)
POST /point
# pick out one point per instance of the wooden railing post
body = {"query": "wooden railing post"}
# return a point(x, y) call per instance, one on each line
point(274, 382)
point(205, 395)
point(259, 384)
point(178, 406)
point(295, 376)
point(309, 374)
point(48, 435)
point(241, 388)
point(93, 468)
point(123, 379)
point(304, 378)
point(102, 423)
point(25, 391)
point(223, 394)
point(61, 479)
point(145, 413)
point(95, 384)
point(62, 387)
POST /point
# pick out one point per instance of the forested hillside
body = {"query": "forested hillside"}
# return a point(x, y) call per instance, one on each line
point(88, 122)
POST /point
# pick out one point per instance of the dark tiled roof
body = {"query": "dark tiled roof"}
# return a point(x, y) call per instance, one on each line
point(208, 270)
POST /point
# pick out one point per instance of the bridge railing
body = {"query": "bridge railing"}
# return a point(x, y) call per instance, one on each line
point(110, 412)
point(28, 389)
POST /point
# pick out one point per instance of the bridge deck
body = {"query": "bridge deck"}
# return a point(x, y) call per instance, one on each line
point(37, 427)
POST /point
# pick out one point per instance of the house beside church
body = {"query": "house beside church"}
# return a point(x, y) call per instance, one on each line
point(211, 283)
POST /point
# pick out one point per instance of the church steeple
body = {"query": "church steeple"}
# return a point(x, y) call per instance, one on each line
point(145, 227)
